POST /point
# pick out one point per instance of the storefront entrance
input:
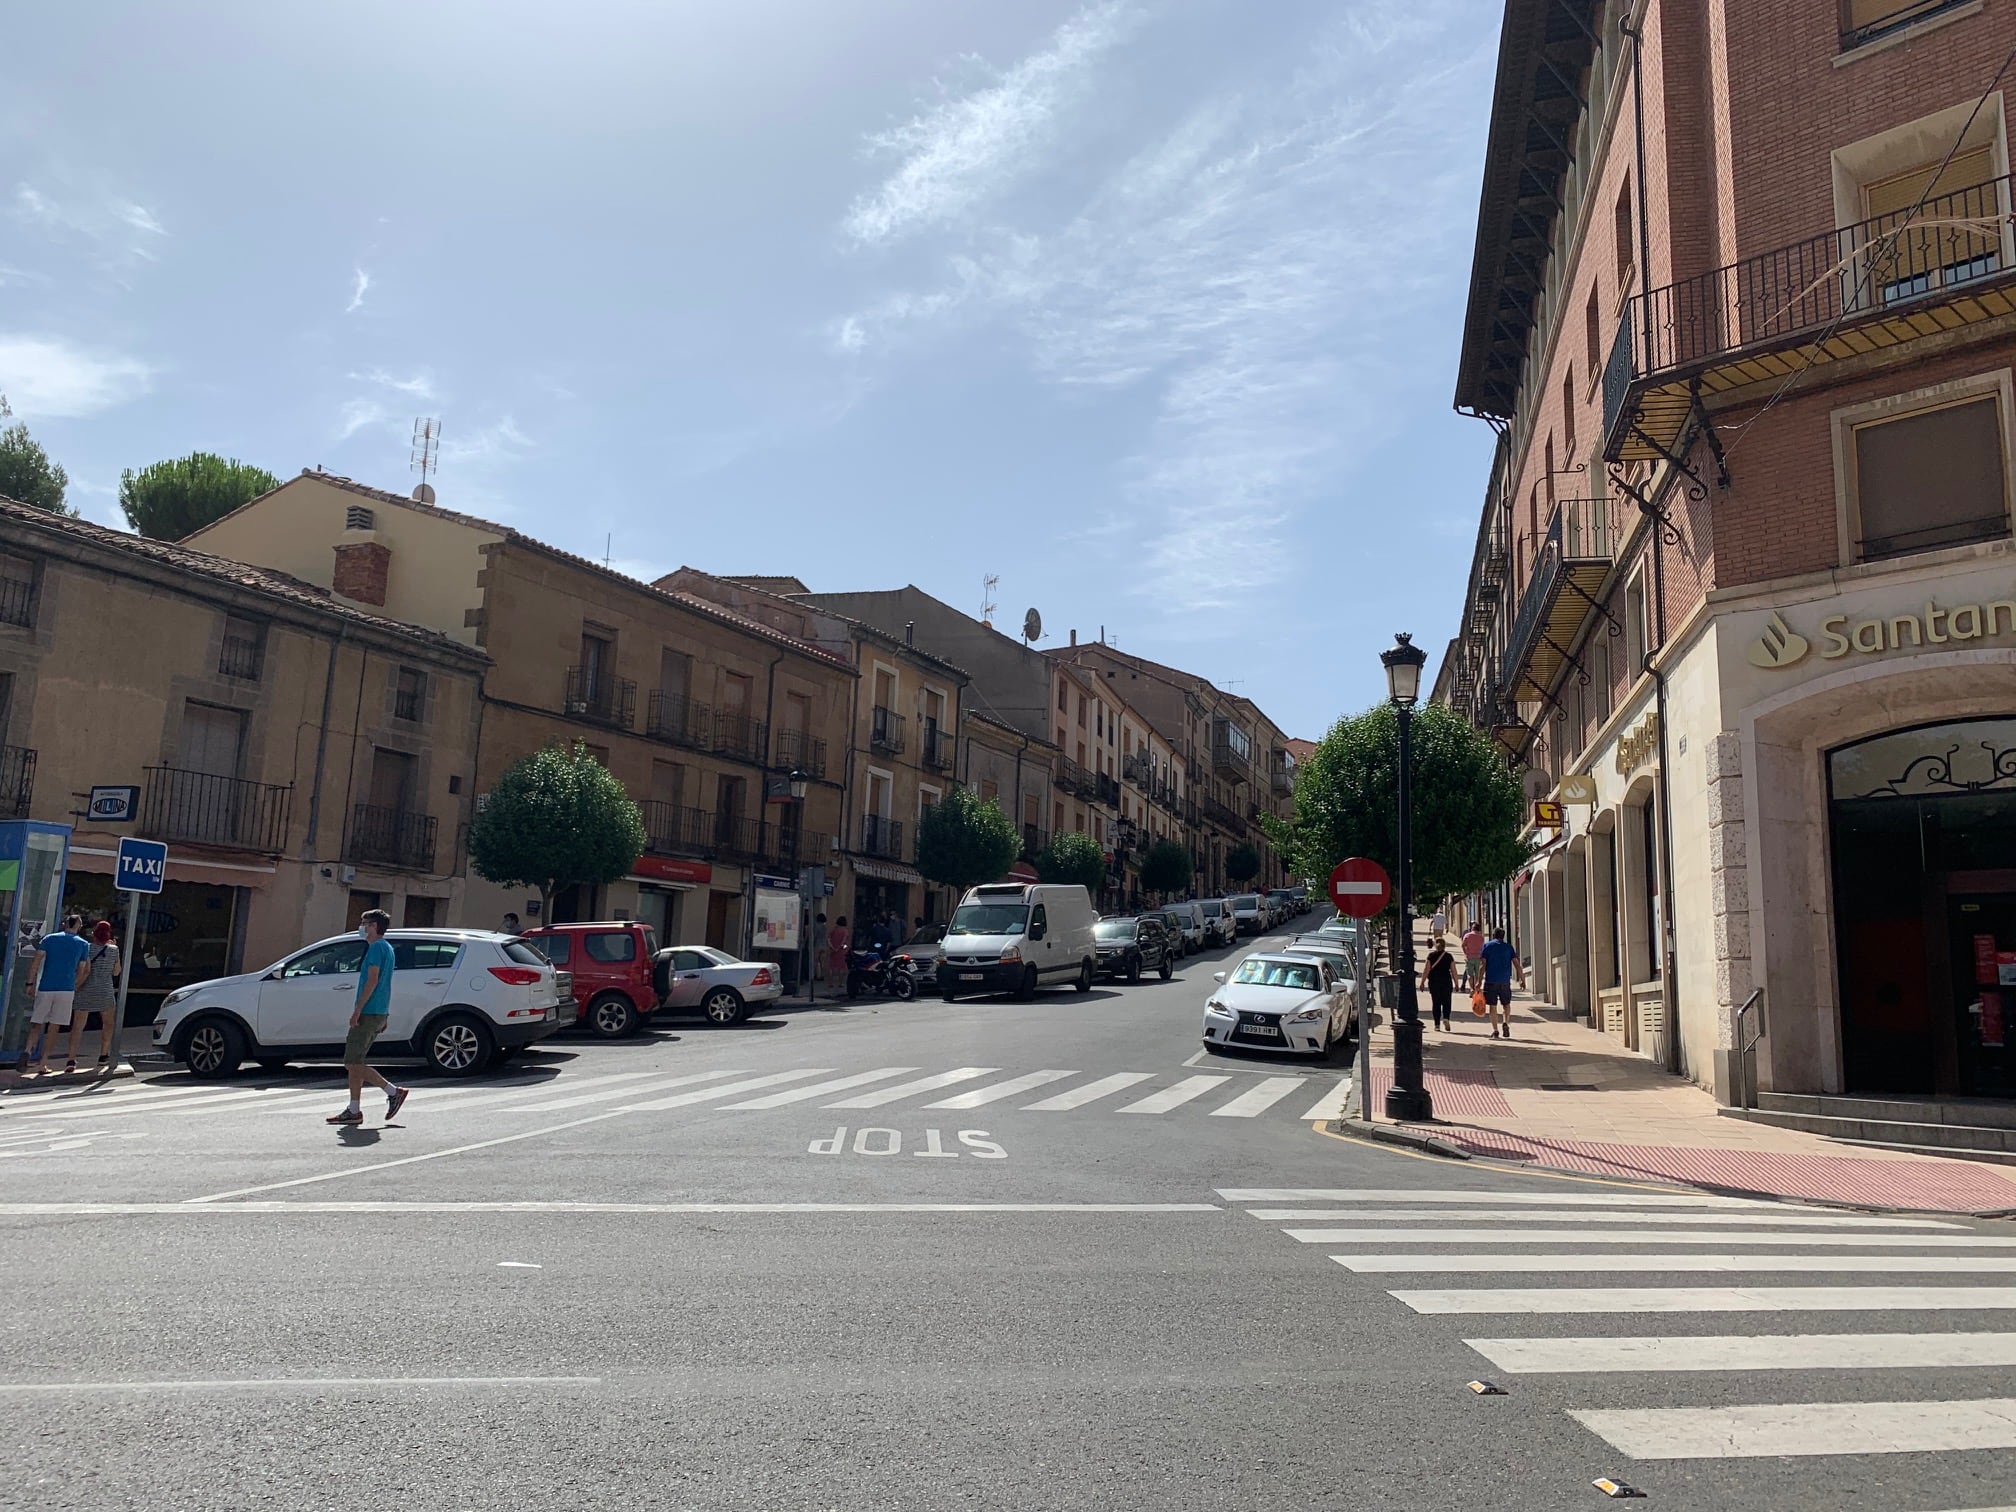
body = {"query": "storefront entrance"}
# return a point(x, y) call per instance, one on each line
point(1923, 838)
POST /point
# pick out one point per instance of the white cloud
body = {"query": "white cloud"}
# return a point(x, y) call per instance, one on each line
point(419, 386)
point(47, 377)
point(360, 286)
point(119, 232)
point(487, 446)
point(359, 414)
point(963, 150)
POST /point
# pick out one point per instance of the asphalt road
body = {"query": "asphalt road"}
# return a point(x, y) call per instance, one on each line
point(673, 1273)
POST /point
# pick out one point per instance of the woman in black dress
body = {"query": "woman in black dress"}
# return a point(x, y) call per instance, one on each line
point(1439, 977)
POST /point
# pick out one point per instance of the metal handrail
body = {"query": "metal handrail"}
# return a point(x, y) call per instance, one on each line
point(1746, 1088)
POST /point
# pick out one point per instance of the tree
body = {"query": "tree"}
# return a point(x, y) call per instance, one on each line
point(173, 499)
point(555, 818)
point(1166, 868)
point(1074, 857)
point(1468, 805)
point(1242, 863)
point(964, 840)
point(26, 473)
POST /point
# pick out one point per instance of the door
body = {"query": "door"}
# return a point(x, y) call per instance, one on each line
point(1981, 949)
point(308, 1000)
point(1044, 951)
point(719, 906)
point(422, 972)
point(687, 982)
point(205, 804)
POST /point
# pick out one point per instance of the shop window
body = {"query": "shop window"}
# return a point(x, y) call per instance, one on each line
point(1648, 890)
point(1918, 482)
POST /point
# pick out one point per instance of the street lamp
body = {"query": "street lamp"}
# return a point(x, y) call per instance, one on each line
point(1407, 1099)
point(808, 960)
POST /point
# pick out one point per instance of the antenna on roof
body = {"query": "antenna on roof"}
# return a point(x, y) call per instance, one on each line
point(608, 545)
point(987, 606)
point(426, 457)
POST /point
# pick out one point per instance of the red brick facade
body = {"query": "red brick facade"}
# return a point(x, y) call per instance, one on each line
point(362, 570)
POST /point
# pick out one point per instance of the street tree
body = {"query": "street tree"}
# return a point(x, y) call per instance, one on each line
point(964, 840)
point(1166, 868)
point(26, 473)
point(176, 498)
point(555, 818)
point(1242, 863)
point(1073, 857)
point(1468, 805)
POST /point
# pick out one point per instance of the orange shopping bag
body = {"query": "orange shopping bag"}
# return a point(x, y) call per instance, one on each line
point(1477, 1003)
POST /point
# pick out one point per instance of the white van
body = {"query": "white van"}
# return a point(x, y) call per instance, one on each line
point(1016, 937)
point(1247, 913)
point(1220, 928)
point(1191, 916)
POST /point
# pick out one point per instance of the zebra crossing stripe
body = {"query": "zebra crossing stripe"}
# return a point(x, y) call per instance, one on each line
point(906, 1089)
point(1640, 1236)
point(1804, 1429)
point(1258, 1100)
point(1174, 1097)
point(820, 1089)
point(708, 1094)
point(980, 1097)
point(481, 1096)
point(190, 1099)
point(1876, 1264)
point(1077, 1097)
point(1331, 1104)
point(608, 1091)
point(1527, 1215)
point(1678, 1299)
point(1878, 1351)
point(1458, 1197)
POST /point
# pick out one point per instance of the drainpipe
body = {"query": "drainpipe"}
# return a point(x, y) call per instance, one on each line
point(749, 897)
point(322, 746)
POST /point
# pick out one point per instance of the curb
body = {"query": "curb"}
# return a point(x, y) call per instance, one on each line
point(1397, 1134)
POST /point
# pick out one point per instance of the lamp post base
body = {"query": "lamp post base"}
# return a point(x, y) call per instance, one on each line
point(1407, 1103)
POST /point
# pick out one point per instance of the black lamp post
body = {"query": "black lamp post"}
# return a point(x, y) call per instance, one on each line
point(1407, 1099)
point(807, 963)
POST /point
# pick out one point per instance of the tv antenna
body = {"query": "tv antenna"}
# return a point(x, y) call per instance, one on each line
point(426, 457)
point(987, 605)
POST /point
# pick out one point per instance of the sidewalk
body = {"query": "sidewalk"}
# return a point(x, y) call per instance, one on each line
point(1566, 1097)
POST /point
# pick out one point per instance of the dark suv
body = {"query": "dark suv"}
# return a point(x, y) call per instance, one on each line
point(1128, 947)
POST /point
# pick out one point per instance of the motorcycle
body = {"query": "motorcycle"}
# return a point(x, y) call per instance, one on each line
point(872, 970)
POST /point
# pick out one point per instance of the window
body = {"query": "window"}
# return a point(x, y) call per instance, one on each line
point(1098, 719)
point(238, 655)
point(610, 946)
point(1863, 21)
point(423, 955)
point(409, 694)
point(1568, 406)
point(1621, 230)
point(1649, 890)
point(597, 754)
point(1063, 699)
point(1081, 714)
point(1057, 823)
point(1592, 332)
point(557, 948)
point(1936, 252)
point(391, 780)
point(17, 591)
point(340, 959)
point(675, 673)
point(668, 783)
point(1931, 479)
point(990, 790)
point(598, 660)
point(1636, 640)
point(1547, 482)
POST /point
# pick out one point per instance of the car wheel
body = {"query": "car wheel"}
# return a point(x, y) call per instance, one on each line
point(612, 1016)
point(724, 1008)
point(1027, 988)
point(947, 994)
point(1168, 966)
point(459, 1044)
point(853, 984)
point(213, 1049)
point(1134, 971)
point(1084, 982)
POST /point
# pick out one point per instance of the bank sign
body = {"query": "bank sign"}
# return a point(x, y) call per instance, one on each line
point(1784, 643)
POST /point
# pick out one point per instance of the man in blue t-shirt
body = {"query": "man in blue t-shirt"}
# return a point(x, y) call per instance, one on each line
point(1501, 964)
point(367, 1020)
point(58, 968)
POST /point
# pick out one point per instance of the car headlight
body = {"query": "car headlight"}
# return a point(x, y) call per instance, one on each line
point(1012, 953)
point(1214, 1006)
point(1307, 1015)
point(177, 996)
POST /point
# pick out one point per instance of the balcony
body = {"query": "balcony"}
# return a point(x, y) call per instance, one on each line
point(736, 838)
point(1877, 284)
point(813, 847)
point(239, 656)
point(601, 699)
point(1224, 816)
point(1035, 841)
point(1281, 780)
point(882, 837)
point(1560, 598)
point(198, 808)
point(391, 837)
point(673, 830)
point(1229, 752)
point(885, 730)
point(1866, 21)
point(17, 781)
point(17, 601)
point(677, 720)
point(794, 750)
point(1106, 789)
point(1075, 780)
point(739, 737)
point(937, 748)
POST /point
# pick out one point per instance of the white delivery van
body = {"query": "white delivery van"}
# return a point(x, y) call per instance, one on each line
point(1016, 937)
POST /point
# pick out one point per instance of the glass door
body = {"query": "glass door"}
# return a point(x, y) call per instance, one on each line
point(1981, 936)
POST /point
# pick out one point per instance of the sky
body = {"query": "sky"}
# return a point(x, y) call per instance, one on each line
point(1149, 307)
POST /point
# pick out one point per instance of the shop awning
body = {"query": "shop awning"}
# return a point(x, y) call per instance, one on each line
point(888, 871)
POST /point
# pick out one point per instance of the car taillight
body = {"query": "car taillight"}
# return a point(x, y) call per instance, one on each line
point(761, 979)
point(515, 976)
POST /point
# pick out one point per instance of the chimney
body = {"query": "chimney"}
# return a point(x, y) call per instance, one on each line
point(363, 562)
point(909, 632)
point(1074, 637)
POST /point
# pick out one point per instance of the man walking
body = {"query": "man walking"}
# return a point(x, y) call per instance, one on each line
point(1473, 958)
point(1501, 964)
point(58, 965)
point(367, 1021)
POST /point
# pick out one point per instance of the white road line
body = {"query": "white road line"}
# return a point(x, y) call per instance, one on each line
point(1804, 1429)
point(1612, 1198)
point(118, 1095)
point(1331, 1104)
point(708, 1094)
point(288, 1383)
point(1755, 1261)
point(1527, 1215)
point(980, 1097)
point(271, 1207)
point(1678, 1299)
point(1176, 1096)
point(1879, 1351)
point(1077, 1097)
point(820, 1089)
point(911, 1088)
point(1639, 1236)
point(606, 1092)
point(280, 1100)
point(210, 1099)
point(1258, 1100)
point(483, 1095)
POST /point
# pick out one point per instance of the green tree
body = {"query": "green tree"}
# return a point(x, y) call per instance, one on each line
point(173, 499)
point(1468, 806)
point(26, 473)
point(1242, 863)
point(555, 818)
point(1166, 868)
point(1074, 857)
point(964, 840)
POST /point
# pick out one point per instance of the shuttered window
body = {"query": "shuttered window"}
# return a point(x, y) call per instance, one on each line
point(1953, 237)
point(1932, 479)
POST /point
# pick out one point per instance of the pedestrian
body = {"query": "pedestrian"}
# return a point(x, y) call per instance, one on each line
point(58, 965)
point(1501, 964)
point(1473, 958)
point(819, 951)
point(1438, 924)
point(510, 924)
point(367, 1021)
point(99, 993)
point(837, 941)
point(1439, 977)
point(883, 934)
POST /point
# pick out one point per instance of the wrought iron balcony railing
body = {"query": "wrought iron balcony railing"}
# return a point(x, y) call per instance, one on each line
point(1075, 780)
point(740, 737)
point(200, 808)
point(794, 750)
point(1035, 841)
point(937, 747)
point(17, 781)
point(678, 720)
point(882, 837)
point(239, 657)
point(391, 837)
point(17, 601)
point(1573, 559)
point(673, 830)
point(737, 838)
point(600, 698)
point(1224, 816)
point(1106, 789)
point(885, 730)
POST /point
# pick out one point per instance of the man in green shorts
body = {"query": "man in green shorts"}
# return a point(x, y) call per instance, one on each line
point(367, 1020)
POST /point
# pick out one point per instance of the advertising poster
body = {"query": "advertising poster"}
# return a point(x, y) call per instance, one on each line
point(777, 914)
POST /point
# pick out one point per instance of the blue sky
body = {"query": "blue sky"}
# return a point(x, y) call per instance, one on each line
point(1149, 306)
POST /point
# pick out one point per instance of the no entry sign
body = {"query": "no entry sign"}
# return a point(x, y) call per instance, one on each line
point(1360, 888)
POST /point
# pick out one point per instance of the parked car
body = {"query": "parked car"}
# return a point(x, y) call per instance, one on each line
point(1190, 924)
point(1248, 916)
point(924, 948)
point(1016, 937)
point(1220, 928)
point(614, 971)
point(1343, 962)
point(1172, 923)
point(1275, 1001)
point(699, 979)
point(1286, 904)
point(1128, 947)
point(462, 1000)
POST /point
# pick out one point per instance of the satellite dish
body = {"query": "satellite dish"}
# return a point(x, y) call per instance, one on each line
point(1032, 625)
point(424, 492)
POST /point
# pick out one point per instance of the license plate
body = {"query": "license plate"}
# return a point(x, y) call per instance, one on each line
point(972, 976)
point(1264, 1031)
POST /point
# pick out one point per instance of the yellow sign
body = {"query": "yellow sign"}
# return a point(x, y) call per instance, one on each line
point(1547, 815)
point(1637, 745)
point(1580, 789)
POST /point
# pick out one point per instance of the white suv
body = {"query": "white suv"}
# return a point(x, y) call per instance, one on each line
point(462, 999)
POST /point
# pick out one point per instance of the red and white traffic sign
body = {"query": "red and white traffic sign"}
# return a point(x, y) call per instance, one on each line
point(1360, 888)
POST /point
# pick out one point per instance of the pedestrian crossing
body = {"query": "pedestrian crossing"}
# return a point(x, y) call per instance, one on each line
point(736, 1089)
point(1533, 1273)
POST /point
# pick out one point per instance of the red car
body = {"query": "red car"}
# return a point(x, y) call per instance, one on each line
point(614, 967)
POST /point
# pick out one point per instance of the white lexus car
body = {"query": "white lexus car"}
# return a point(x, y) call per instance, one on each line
point(462, 999)
point(1292, 1004)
